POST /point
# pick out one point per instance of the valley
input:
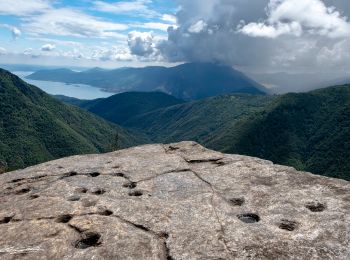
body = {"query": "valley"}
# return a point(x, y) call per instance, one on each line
point(308, 131)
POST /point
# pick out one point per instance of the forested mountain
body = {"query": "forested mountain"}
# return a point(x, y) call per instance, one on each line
point(121, 107)
point(35, 127)
point(189, 81)
point(309, 131)
point(199, 121)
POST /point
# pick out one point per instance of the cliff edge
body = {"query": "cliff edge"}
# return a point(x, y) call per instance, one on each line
point(178, 201)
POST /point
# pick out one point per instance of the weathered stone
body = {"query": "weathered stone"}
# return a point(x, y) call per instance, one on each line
point(178, 201)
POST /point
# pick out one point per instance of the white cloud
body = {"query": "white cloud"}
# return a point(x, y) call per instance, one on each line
point(115, 53)
point(23, 7)
point(141, 43)
point(198, 27)
point(28, 51)
point(69, 22)
point(48, 47)
point(136, 7)
point(75, 54)
point(154, 26)
point(293, 17)
point(169, 18)
point(14, 30)
point(271, 31)
point(2, 51)
point(55, 41)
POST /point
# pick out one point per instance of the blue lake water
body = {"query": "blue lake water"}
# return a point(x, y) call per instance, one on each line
point(71, 90)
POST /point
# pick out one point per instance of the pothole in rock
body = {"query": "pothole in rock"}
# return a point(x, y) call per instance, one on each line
point(70, 174)
point(315, 206)
point(173, 148)
point(39, 177)
point(93, 174)
point(249, 218)
point(106, 212)
point(135, 193)
point(98, 191)
point(81, 190)
point(73, 198)
point(119, 174)
point(22, 191)
point(5, 220)
point(34, 196)
point(89, 239)
point(237, 201)
point(130, 185)
point(17, 180)
point(288, 225)
point(64, 218)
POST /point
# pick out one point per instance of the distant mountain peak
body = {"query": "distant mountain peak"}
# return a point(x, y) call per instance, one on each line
point(188, 81)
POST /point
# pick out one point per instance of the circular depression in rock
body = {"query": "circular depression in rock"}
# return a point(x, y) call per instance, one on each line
point(130, 185)
point(135, 193)
point(89, 239)
point(64, 218)
point(288, 225)
point(315, 206)
point(248, 218)
point(237, 201)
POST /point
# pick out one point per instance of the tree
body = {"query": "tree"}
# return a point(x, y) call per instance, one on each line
point(3, 166)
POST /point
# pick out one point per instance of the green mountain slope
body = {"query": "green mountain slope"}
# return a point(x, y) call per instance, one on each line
point(34, 127)
point(308, 131)
point(199, 120)
point(189, 81)
point(121, 107)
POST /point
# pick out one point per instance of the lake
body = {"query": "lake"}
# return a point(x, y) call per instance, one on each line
point(59, 88)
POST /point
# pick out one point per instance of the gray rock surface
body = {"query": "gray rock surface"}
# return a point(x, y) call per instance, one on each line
point(178, 201)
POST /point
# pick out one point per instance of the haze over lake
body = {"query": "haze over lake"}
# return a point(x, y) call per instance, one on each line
point(80, 91)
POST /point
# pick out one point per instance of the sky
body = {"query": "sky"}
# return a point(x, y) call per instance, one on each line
point(257, 35)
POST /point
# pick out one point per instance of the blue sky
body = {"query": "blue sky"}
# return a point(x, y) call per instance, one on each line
point(91, 33)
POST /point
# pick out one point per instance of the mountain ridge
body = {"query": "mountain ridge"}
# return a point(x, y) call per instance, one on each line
point(190, 81)
point(35, 127)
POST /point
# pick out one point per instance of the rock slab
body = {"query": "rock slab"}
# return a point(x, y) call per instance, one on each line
point(177, 201)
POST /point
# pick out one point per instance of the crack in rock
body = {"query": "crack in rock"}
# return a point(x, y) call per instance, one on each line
point(222, 228)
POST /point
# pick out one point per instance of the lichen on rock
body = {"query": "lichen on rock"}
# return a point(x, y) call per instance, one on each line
point(178, 201)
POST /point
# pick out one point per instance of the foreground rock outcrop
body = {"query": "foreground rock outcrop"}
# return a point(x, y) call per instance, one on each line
point(176, 201)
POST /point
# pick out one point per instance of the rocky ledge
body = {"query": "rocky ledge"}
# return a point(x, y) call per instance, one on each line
point(178, 201)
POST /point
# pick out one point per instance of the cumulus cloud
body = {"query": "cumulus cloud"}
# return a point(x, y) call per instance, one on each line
point(116, 53)
point(256, 35)
point(291, 17)
point(48, 47)
point(198, 27)
point(14, 30)
point(141, 43)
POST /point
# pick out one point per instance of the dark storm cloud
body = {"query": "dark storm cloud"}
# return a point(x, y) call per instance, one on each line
point(262, 35)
